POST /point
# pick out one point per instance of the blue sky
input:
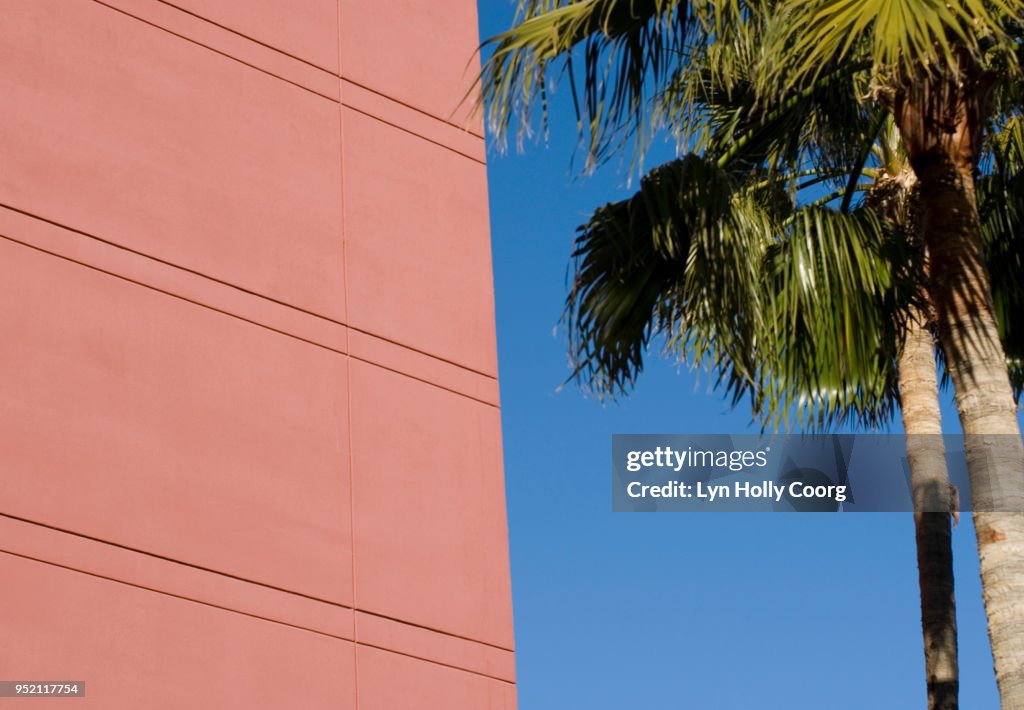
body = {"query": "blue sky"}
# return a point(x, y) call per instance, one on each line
point(673, 610)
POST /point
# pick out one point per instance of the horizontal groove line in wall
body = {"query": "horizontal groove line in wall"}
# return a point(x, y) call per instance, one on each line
point(414, 133)
point(435, 662)
point(439, 119)
point(232, 610)
point(177, 296)
point(172, 594)
point(251, 321)
point(258, 297)
point(172, 560)
point(162, 262)
point(444, 123)
point(436, 631)
point(222, 53)
point(273, 588)
point(245, 36)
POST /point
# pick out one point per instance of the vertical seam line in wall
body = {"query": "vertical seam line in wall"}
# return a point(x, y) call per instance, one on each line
point(348, 366)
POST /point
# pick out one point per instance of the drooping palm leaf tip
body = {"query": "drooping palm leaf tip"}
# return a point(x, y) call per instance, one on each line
point(612, 53)
point(840, 285)
point(642, 268)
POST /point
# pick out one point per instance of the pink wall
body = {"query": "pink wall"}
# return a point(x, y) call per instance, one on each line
point(249, 424)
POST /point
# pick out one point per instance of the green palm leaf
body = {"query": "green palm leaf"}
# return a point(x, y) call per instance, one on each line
point(617, 45)
point(647, 264)
point(899, 36)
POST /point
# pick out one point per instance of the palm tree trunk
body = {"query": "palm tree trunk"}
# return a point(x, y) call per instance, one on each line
point(895, 196)
point(929, 478)
point(941, 113)
point(961, 294)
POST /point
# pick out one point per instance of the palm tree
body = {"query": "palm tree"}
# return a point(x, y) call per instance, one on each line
point(942, 108)
point(627, 289)
point(622, 285)
point(893, 194)
point(622, 280)
point(637, 55)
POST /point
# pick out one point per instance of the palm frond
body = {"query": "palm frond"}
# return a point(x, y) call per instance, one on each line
point(713, 104)
point(611, 52)
point(731, 256)
point(803, 315)
point(669, 260)
point(839, 286)
point(898, 36)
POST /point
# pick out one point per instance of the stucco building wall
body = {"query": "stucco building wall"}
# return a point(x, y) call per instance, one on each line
point(249, 425)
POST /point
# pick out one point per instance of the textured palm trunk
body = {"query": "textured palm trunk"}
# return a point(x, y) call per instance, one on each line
point(941, 115)
point(894, 196)
point(977, 365)
point(922, 420)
